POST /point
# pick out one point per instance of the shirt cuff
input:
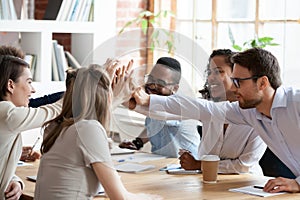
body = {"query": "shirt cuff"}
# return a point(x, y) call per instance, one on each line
point(17, 179)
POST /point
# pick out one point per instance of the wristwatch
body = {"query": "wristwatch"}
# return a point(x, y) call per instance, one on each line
point(138, 142)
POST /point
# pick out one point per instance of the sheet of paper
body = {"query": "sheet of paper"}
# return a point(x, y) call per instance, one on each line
point(119, 151)
point(171, 166)
point(21, 164)
point(132, 167)
point(31, 178)
point(137, 157)
point(254, 191)
point(101, 192)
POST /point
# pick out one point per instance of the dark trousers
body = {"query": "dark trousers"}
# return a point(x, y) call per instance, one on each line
point(272, 166)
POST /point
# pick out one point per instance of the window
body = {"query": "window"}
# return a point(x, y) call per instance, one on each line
point(207, 23)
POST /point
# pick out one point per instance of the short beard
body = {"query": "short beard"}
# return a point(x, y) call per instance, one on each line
point(250, 103)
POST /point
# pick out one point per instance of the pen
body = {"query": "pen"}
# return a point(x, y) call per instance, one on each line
point(258, 187)
point(34, 144)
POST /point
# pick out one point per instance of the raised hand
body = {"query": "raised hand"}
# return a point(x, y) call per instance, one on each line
point(141, 97)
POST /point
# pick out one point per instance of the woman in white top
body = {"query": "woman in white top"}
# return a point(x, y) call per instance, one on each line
point(15, 117)
point(239, 153)
point(75, 153)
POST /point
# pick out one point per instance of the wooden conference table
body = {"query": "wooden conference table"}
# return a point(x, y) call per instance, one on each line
point(172, 186)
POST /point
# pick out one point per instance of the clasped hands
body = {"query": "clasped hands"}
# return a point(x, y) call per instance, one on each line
point(280, 184)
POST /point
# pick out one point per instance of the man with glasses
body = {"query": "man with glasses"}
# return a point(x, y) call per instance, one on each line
point(166, 137)
point(271, 109)
point(219, 138)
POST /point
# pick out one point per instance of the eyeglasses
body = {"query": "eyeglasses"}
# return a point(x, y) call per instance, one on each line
point(156, 86)
point(149, 79)
point(215, 71)
point(236, 81)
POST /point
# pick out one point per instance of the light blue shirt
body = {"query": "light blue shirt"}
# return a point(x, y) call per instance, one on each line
point(167, 137)
point(281, 133)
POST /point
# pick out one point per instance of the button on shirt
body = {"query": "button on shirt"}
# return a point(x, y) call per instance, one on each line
point(281, 133)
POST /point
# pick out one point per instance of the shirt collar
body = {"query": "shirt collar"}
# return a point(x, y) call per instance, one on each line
point(280, 100)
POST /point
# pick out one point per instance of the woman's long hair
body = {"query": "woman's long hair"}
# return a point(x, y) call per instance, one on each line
point(87, 96)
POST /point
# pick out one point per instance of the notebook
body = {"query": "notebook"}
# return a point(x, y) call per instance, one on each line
point(253, 190)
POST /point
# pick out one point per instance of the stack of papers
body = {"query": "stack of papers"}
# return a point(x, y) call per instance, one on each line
point(137, 157)
point(119, 151)
point(132, 167)
point(254, 191)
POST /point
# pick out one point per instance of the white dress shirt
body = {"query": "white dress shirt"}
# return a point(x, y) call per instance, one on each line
point(239, 148)
point(281, 133)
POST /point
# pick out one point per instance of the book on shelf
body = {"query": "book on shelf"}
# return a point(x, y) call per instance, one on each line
point(18, 7)
point(60, 59)
point(31, 60)
point(64, 5)
point(7, 10)
point(86, 11)
point(52, 9)
point(63, 60)
point(72, 62)
point(74, 10)
point(55, 76)
point(91, 12)
point(77, 10)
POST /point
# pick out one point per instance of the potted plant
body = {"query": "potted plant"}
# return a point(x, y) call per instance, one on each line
point(260, 42)
point(147, 19)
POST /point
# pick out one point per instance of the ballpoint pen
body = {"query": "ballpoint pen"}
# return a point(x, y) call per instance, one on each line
point(258, 187)
point(34, 144)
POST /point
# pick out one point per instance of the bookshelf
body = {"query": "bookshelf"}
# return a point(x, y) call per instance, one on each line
point(36, 38)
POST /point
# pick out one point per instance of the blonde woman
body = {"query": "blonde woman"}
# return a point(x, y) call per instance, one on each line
point(75, 152)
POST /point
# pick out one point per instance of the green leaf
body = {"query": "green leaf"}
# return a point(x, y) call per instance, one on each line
point(165, 13)
point(170, 46)
point(265, 39)
point(273, 44)
point(237, 47)
point(253, 43)
point(152, 46)
point(144, 26)
point(125, 26)
point(158, 14)
point(231, 36)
